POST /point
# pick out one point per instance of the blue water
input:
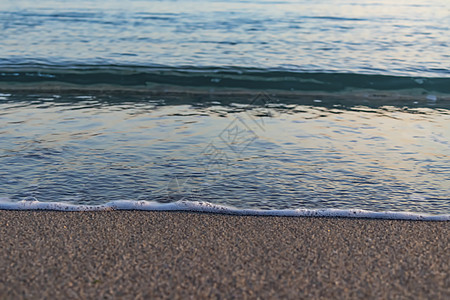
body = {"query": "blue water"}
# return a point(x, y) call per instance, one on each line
point(376, 37)
point(272, 105)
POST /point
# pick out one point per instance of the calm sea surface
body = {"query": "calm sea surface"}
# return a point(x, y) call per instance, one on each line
point(250, 104)
point(378, 37)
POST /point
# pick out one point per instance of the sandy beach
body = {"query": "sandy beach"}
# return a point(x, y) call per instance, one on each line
point(143, 255)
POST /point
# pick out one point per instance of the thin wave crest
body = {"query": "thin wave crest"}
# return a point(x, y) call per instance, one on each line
point(152, 77)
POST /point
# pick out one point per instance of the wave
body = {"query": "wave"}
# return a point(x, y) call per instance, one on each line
point(201, 206)
point(144, 77)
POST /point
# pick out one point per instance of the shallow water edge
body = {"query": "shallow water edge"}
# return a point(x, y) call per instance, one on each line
point(206, 207)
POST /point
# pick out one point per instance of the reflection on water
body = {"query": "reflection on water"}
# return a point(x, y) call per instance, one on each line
point(87, 150)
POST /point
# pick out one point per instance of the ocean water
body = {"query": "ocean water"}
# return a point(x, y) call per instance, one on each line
point(325, 108)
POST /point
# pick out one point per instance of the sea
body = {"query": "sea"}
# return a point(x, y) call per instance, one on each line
point(336, 108)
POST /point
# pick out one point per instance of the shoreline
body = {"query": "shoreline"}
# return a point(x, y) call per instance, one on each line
point(206, 207)
point(142, 254)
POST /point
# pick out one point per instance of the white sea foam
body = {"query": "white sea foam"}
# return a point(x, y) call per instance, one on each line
point(199, 206)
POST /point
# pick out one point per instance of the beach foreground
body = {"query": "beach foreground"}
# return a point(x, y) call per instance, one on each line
point(142, 254)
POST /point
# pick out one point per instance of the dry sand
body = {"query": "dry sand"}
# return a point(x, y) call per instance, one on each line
point(132, 254)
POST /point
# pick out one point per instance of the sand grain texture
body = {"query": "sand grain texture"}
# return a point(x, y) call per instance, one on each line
point(132, 255)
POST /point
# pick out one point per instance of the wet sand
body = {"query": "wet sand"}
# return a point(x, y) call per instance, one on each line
point(132, 254)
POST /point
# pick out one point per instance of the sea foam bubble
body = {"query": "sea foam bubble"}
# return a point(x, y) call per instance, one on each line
point(201, 206)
